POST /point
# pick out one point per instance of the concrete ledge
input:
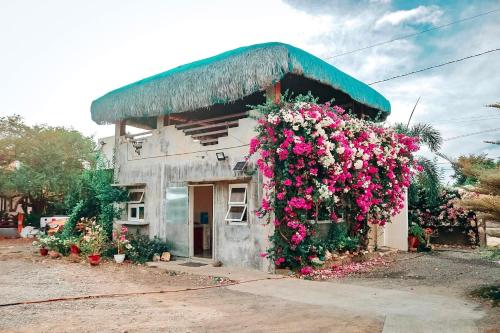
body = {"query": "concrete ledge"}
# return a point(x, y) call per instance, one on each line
point(233, 273)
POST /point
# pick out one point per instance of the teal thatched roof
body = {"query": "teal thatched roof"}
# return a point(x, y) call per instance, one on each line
point(224, 78)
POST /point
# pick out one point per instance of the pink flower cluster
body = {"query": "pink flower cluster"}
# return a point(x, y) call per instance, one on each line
point(315, 154)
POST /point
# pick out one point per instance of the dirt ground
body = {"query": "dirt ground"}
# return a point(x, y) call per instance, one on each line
point(24, 275)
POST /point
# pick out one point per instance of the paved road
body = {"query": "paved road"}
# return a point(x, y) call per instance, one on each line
point(403, 311)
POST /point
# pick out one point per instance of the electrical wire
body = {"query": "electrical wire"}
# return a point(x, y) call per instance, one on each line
point(435, 66)
point(412, 35)
point(471, 134)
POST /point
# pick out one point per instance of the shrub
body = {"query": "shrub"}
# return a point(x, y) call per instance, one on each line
point(339, 239)
point(143, 248)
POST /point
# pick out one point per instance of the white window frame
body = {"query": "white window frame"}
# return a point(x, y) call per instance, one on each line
point(135, 191)
point(138, 206)
point(233, 186)
point(237, 204)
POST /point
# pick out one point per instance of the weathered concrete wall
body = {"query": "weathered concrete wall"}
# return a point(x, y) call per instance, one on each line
point(169, 158)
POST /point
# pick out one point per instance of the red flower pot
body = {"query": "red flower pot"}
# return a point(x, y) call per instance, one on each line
point(74, 249)
point(44, 252)
point(94, 259)
point(413, 242)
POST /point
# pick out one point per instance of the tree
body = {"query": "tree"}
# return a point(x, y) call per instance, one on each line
point(472, 162)
point(427, 182)
point(42, 162)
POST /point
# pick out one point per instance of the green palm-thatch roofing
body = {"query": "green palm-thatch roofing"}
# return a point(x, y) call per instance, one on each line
point(224, 78)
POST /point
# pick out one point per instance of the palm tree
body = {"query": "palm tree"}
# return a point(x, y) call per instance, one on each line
point(429, 180)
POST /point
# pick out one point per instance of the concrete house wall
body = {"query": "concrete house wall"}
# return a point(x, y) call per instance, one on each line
point(170, 159)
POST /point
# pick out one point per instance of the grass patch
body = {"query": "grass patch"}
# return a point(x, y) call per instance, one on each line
point(491, 253)
point(491, 293)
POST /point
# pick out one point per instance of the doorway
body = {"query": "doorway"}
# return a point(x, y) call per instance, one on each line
point(201, 221)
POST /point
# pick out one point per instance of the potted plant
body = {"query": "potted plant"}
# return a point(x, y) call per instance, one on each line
point(54, 245)
point(122, 244)
point(74, 245)
point(94, 241)
point(41, 243)
point(415, 236)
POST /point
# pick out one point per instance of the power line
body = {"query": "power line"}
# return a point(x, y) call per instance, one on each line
point(435, 66)
point(413, 34)
point(473, 133)
point(441, 123)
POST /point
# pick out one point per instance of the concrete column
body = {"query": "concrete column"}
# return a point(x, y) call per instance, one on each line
point(160, 121)
point(396, 232)
point(273, 93)
point(120, 128)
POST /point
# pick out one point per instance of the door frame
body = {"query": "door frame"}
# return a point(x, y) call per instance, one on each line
point(191, 222)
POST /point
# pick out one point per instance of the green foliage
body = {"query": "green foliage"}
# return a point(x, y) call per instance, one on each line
point(143, 248)
point(50, 161)
point(339, 239)
point(475, 163)
point(427, 134)
point(93, 196)
point(417, 231)
point(491, 293)
point(33, 220)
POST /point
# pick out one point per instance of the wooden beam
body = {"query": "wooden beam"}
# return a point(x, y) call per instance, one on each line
point(208, 120)
point(233, 123)
point(224, 131)
point(206, 141)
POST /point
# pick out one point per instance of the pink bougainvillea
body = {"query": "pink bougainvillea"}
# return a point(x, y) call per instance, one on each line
point(316, 155)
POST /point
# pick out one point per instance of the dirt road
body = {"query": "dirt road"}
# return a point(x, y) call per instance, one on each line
point(266, 306)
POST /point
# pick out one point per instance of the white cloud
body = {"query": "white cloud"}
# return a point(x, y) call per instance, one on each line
point(419, 15)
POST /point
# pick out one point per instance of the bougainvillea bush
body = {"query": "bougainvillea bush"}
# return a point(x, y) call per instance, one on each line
point(316, 158)
point(442, 212)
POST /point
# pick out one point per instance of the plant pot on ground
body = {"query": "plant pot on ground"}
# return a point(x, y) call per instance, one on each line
point(415, 236)
point(94, 259)
point(119, 258)
point(53, 254)
point(74, 249)
point(122, 243)
point(413, 242)
point(43, 251)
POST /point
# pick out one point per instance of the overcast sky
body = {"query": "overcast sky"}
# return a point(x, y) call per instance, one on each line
point(58, 56)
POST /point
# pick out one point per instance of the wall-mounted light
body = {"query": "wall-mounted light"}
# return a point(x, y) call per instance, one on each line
point(137, 144)
point(221, 156)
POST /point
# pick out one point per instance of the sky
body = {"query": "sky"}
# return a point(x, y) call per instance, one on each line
point(57, 56)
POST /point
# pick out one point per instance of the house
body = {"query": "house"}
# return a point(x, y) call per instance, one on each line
point(185, 168)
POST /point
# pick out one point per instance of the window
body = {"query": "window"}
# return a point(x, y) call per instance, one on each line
point(136, 205)
point(135, 212)
point(237, 209)
point(136, 196)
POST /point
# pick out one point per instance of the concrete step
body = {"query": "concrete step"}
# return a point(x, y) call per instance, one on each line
point(493, 241)
point(493, 232)
point(405, 324)
point(492, 224)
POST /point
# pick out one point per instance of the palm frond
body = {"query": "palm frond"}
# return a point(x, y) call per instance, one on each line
point(428, 135)
point(430, 178)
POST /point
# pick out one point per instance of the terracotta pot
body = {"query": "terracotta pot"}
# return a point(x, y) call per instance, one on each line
point(94, 259)
point(74, 249)
point(44, 252)
point(413, 242)
point(54, 254)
